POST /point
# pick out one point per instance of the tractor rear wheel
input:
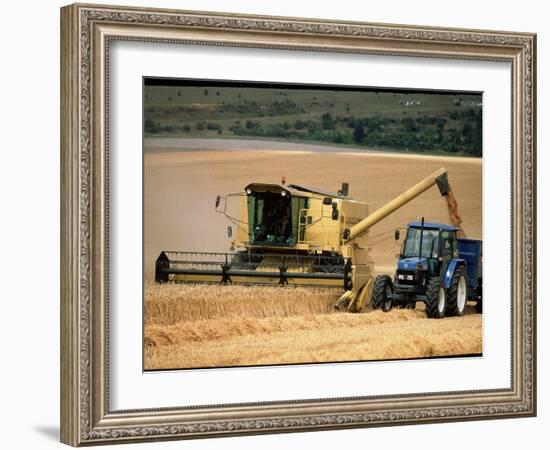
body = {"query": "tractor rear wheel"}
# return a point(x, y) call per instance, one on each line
point(457, 293)
point(381, 291)
point(436, 302)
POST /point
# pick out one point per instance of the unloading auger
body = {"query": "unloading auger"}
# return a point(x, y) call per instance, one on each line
point(295, 235)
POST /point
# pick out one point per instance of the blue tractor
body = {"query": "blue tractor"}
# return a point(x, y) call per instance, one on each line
point(436, 267)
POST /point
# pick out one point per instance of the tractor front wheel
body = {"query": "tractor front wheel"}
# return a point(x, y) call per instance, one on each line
point(381, 292)
point(436, 302)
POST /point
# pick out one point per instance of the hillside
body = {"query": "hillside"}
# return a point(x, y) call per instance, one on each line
point(412, 121)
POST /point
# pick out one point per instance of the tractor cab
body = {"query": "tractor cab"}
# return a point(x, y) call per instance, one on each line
point(426, 251)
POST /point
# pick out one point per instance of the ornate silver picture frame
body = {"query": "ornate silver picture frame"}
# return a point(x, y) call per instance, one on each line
point(87, 32)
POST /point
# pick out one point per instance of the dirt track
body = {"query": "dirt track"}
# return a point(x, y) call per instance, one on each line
point(180, 188)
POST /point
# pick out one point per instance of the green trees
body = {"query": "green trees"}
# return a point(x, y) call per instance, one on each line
point(420, 134)
point(327, 121)
point(409, 124)
point(358, 134)
point(150, 126)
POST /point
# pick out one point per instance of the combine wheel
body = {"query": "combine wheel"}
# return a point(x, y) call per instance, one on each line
point(332, 264)
point(436, 298)
point(457, 292)
point(381, 291)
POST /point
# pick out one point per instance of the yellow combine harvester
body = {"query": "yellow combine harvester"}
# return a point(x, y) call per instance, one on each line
point(291, 234)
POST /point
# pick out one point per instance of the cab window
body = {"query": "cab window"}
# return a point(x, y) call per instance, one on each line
point(447, 244)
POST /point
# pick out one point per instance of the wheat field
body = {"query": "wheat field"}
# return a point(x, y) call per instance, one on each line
point(192, 326)
point(169, 304)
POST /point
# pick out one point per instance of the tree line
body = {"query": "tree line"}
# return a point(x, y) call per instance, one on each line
point(463, 135)
point(454, 132)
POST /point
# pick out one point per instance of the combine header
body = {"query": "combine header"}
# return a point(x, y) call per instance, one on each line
point(249, 268)
point(295, 235)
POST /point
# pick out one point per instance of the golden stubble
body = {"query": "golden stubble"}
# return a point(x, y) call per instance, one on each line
point(191, 326)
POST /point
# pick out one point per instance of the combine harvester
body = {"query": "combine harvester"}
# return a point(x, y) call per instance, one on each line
point(295, 235)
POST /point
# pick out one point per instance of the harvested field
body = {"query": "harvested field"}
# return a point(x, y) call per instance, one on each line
point(191, 326)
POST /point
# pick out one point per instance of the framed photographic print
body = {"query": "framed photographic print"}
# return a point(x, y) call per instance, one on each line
point(313, 206)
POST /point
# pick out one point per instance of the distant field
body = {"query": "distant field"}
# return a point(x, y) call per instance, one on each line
point(422, 122)
point(167, 144)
